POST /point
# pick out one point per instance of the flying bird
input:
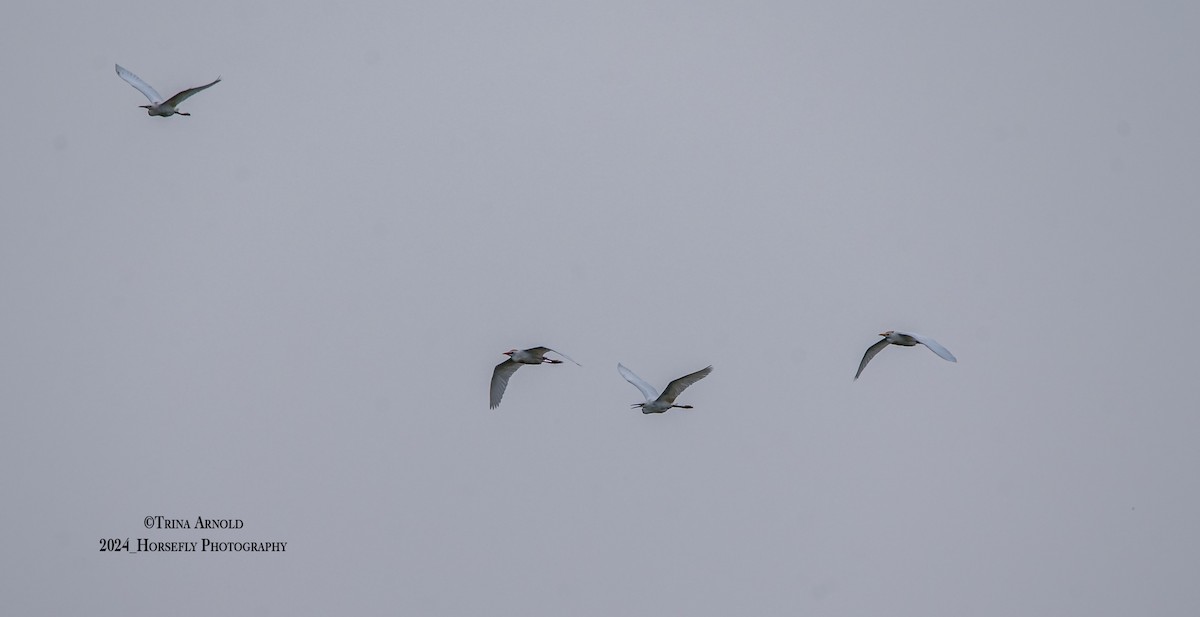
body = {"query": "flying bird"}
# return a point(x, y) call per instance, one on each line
point(157, 106)
point(905, 339)
point(504, 370)
point(656, 403)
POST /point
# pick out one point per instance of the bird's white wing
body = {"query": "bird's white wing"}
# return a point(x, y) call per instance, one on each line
point(500, 376)
point(675, 388)
point(648, 390)
point(933, 346)
point(545, 349)
point(143, 87)
point(182, 96)
point(871, 352)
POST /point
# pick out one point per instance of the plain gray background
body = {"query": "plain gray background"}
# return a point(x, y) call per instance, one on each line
point(286, 308)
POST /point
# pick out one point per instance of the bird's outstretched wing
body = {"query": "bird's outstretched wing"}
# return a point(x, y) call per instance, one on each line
point(543, 350)
point(675, 388)
point(183, 96)
point(648, 390)
point(500, 376)
point(871, 352)
point(143, 87)
point(933, 346)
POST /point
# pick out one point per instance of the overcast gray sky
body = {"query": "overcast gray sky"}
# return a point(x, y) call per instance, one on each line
point(285, 309)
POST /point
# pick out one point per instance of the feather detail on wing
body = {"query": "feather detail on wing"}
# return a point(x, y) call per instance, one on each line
point(647, 390)
point(675, 388)
point(500, 376)
point(933, 346)
point(143, 87)
point(183, 96)
point(872, 351)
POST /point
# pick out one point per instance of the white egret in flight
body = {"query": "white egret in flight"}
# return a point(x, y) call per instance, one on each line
point(656, 403)
point(904, 339)
point(157, 106)
point(504, 370)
